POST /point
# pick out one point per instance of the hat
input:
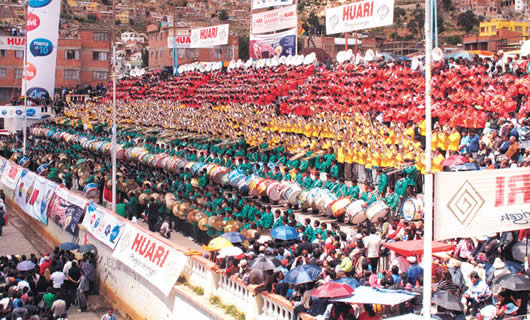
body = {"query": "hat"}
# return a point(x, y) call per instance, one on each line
point(454, 263)
point(284, 262)
point(498, 263)
point(243, 262)
point(355, 251)
point(412, 259)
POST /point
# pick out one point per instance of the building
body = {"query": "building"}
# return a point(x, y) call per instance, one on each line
point(132, 36)
point(161, 56)
point(489, 28)
point(83, 59)
point(123, 17)
point(498, 35)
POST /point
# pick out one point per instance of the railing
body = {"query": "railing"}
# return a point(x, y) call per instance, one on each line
point(275, 307)
point(237, 293)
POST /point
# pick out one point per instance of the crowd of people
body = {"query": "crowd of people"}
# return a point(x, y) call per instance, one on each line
point(46, 287)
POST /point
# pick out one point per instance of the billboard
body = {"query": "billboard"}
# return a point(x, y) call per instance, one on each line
point(260, 4)
point(103, 225)
point(209, 36)
point(359, 16)
point(477, 203)
point(32, 112)
point(43, 33)
point(183, 41)
point(12, 43)
point(270, 45)
point(269, 21)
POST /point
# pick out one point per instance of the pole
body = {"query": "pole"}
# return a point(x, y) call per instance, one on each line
point(175, 40)
point(356, 48)
point(427, 256)
point(113, 140)
point(346, 41)
point(24, 78)
point(435, 18)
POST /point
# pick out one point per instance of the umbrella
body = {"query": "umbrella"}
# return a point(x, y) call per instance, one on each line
point(353, 283)
point(86, 248)
point(69, 246)
point(234, 237)
point(447, 300)
point(26, 265)
point(520, 250)
point(80, 161)
point(514, 282)
point(263, 238)
point(284, 233)
point(454, 160)
point(415, 247)
point(263, 263)
point(217, 244)
point(470, 166)
point(333, 290)
point(230, 252)
point(302, 274)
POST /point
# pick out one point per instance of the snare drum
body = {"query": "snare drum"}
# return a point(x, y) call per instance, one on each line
point(284, 185)
point(243, 187)
point(291, 194)
point(412, 209)
point(273, 191)
point(355, 212)
point(338, 207)
point(376, 210)
point(91, 190)
point(234, 177)
point(24, 162)
point(196, 167)
point(42, 170)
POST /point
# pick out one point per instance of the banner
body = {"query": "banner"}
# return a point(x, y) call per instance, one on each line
point(9, 112)
point(11, 43)
point(103, 225)
point(359, 16)
point(209, 36)
point(11, 175)
point(24, 189)
point(269, 21)
point(66, 209)
point(42, 25)
point(260, 4)
point(157, 262)
point(3, 164)
point(43, 191)
point(270, 45)
point(477, 203)
point(183, 41)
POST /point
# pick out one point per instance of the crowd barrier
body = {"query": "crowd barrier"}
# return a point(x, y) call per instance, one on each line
point(135, 295)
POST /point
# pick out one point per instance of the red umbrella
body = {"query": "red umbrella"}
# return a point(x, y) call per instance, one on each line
point(333, 290)
point(415, 247)
point(454, 160)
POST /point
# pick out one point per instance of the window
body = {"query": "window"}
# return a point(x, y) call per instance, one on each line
point(493, 28)
point(70, 54)
point(71, 74)
point(100, 75)
point(2, 53)
point(18, 73)
point(100, 56)
point(192, 53)
point(481, 29)
point(218, 53)
point(519, 29)
point(101, 36)
point(228, 53)
point(19, 53)
point(181, 53)
point(3, 72)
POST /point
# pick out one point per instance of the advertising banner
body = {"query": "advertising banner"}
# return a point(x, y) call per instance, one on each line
point(260, 4)
point(269, 21)
point(42, 25)
point(183, 41)
point(478, 203)
point(103, 225)
point(154, 260)
point(43, 190)
point(3, 163)
point(209, 36)
point(12, 43)
point(359, 16)
point(66, 209)
point(24, 189)
point(32, 112)
point(11, 175)
point(270, 45)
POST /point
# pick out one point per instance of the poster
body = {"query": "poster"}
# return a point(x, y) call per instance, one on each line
point(43, 190)
point(269, 21)
point(3, 163)
point(24, 189)
point(183, 41)
point(42, 25)
point(11, 175)
point(270, 45)
point(359, 16)
point(103, 225)
point(153, 259)
point(209, 36)
point(66, 209)
point(11, 43)
point(478, 203)
point(32, 112)
point(260, 4)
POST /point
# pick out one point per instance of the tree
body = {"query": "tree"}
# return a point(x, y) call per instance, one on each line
point(440, 23)
point(454, 40)
point(447, 5)
point(222, 15)
point(467, 20)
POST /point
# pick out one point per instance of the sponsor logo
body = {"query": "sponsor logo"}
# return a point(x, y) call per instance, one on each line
point(4, 112)
point(18, 112)
point(465, 203)
point(33, 22)
point(41, 47)
point(30, 71)
point(31, 112)
point(39, 3)
point(37, 93)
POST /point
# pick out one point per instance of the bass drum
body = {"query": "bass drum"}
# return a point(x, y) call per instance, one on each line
point(235, 176)
point(324, 205)
point(262, 187)
point(243, 187)
point(254, 186)
point(291, 194)
point(338, 207)
point(412, 209)
point(302, 196)
point(376, 210)
point(355, 212)
point(311, 197)
point(273, 191)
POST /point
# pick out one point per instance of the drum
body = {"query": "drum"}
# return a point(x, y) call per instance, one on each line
point(120, 154)
point(338, 207)
point(318, 197)
point(237, 181)
point(355, 212)
point(203, 223)
point(324, 205)
point(24, 162)
point(182, 164)
point(91, 190)
point(310, 197)
point(253, 185)
point(189, 165)
point(42, 170)
point(235, 176)
point(210, 167)
point(194, 182)
point(262, 187)
point(376, 210)
point(412, 209)
point(224, 180)
point(196, 167)
point(284, 185)
point(291, 194)
point(273, 191)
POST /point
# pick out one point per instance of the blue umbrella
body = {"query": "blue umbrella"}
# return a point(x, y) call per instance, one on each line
point(69, 246)
point(284, 233)
point(302, 274)
point(25, 265)
point(353, 283)
point(234, 237)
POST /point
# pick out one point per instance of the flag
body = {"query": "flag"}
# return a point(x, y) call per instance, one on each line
point(302, 31)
